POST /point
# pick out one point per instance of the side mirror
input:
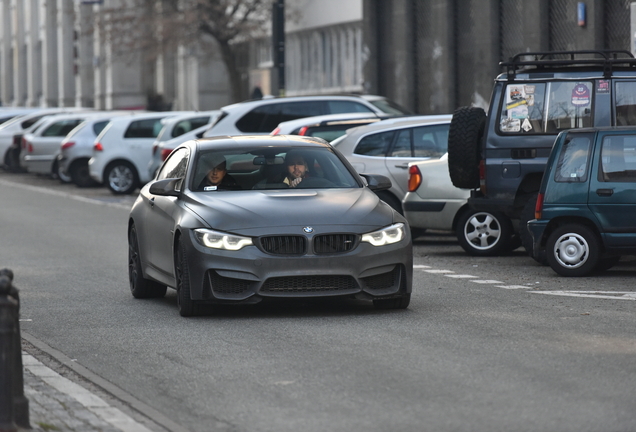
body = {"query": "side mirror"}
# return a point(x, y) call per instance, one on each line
point(377, 182)
point(166, 187)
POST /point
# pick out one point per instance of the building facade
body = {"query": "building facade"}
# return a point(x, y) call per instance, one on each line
point(428, 55)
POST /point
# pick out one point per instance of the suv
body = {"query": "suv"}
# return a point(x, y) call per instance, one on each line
point(501, 156)
point(263, 116)
point(586, 204)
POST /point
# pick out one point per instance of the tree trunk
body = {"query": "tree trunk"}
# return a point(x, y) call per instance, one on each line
point(236, 84)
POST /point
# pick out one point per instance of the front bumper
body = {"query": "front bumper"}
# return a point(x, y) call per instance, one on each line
point(250, 274)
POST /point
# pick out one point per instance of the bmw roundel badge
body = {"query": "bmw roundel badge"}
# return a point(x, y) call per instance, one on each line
point(308, 229)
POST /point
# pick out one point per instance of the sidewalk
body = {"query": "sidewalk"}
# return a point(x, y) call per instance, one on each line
point(64, 396)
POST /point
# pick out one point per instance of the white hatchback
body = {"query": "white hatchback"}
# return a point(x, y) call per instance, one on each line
point(123, 149)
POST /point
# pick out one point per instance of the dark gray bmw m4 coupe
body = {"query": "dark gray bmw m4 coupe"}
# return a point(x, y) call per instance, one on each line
point(239, 219)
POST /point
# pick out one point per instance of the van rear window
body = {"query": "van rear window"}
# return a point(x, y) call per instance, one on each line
point(546, 108)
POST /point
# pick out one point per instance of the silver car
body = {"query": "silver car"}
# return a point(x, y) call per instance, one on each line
point(388, 146)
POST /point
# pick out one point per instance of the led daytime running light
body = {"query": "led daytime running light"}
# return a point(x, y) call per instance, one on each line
point(219, 240)
point(389, 235)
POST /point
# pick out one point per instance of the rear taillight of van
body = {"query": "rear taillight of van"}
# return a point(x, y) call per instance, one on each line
point(538, 207)
point(415, 178)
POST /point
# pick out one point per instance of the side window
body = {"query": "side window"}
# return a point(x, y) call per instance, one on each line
point(99, 126)
point(187, 125)
point(61, 128)
point(625, 103)
point(339, 107)
point(402, 146)
point(430, 141)
point(294, 110)
point(148, 128)
point(573, 163)
point(569, 106)
point(263, 119)
point(175, 166)
point(618, 159)
point(374, 145)
point(522, 109)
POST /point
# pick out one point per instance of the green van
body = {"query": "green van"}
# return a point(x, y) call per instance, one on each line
point(586, 208)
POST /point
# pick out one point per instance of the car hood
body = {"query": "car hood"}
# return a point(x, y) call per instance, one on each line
point(275, 211)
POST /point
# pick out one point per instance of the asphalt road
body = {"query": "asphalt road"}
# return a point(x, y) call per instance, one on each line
point(488, 344)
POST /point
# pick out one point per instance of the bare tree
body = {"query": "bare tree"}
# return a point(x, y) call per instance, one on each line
point(154, 26)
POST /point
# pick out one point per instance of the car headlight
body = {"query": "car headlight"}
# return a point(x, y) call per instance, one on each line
point(221, 240)
point(385, 236)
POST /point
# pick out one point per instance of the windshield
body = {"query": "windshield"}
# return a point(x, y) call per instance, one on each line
point(270, 168)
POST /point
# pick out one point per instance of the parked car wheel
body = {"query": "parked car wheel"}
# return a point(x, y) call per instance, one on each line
point(464, 135)
point(573, 250)
point(121, 178)
point(484, 233)
point(527, 214)
point(80, 174)
point(140, 287)
point(57, 172)
point(187, 306)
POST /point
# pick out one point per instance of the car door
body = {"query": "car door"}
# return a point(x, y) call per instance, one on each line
point(160, 215)
point(139, 138)
point(414, 144)
point(612, 193)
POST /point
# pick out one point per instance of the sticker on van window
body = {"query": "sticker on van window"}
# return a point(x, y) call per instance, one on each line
point(526, 126)
point(602, 86)
point(510, 125)
point(580, 95)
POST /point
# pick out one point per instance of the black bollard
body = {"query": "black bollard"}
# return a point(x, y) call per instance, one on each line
point(8, 320)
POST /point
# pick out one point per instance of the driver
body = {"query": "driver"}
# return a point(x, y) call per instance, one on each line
point(297, 169)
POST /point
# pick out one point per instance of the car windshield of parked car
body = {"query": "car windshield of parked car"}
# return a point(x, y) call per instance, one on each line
point(268, 168)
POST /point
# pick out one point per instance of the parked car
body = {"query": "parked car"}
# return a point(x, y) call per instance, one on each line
point(501, 156)
point(328, 127)
point(264, 115)
point(123, 149)
point(170, 136)
point(41, 147)
point(11, 134)
point(8, 113)
point(77, 148)
point(330, 236)
point(584, 214)
point(387, 147)
point(161, 151)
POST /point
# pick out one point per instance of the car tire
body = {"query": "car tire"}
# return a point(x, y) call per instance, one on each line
point(393, 303)
point(464, 152)
point(187, 306)
point(483, 233)
point(391, 200)
point(140, 287)
point(573, 250)
point(527, 214)
point(80, 174)
point(57, 172)
point(121, 178)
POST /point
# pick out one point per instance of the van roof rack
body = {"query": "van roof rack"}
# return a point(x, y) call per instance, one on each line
point(608, 59)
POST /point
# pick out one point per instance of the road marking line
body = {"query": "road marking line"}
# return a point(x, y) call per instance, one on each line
point(439, 271)
point(480, 281)
point(66, 195)
point(91, 401)
point(419, 266)
point(461, 276)
point(513, 286)
point(613, 295)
